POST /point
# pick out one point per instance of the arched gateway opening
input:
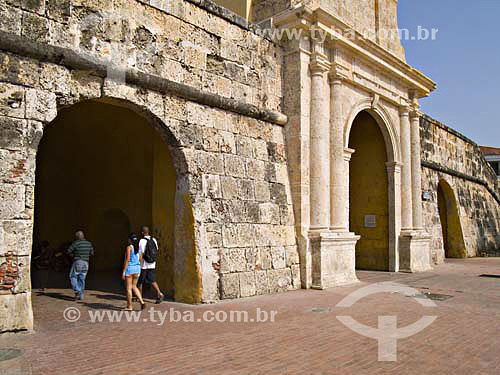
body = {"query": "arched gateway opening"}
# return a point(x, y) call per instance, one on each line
point(368, 193)
point(453, 238)
point(104, 169)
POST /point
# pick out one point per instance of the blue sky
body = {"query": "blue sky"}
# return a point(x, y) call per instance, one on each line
point(464, 61)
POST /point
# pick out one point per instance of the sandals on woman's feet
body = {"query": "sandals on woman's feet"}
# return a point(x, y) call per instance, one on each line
point(159, 299)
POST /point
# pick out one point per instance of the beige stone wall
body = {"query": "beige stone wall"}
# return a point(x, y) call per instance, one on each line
point(460, 161)
point(231, 169)
point(377, 19)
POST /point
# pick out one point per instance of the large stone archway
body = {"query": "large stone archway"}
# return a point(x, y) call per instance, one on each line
point(387, 133)
point(182, 275)
point(107, 162)
point(453, 237)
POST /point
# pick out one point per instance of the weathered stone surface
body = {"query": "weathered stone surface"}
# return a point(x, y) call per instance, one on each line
point(15, 237)
point(37, 6)
point(18, 71)
point(17, 167)
point(36, 27)
point(292, 255)
point(296, 276)
point(59, 10)
point(247, 284)
point(278, 257)
point(15, 312)
point(212, 186)
point(262, 191)
point(12, 199)
point(263, 260)
point(210, 162)
point(246, 189)
point(55, 78)
point(238, 235)
point(12, 132)
point(14, 274)
point(229, 186)
point(251, 258)
point(12, 102)
point(279, 280)
point(456, 160)
point(256, 169)
point(40, 105)
point(11, 19)
point(234, 166)
point(214, 235)
point(269, 213)
point(232, 260)
point(230, 285)
point(261, 282)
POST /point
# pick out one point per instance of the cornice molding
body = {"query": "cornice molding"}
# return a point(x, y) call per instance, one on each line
point(319, 64)
point(304, 18)
point(338, 73)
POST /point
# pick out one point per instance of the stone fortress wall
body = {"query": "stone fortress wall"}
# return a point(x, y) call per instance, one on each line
point(210, 86)
point(214, 90)
point(448, 155)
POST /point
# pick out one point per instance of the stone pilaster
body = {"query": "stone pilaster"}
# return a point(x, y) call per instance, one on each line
point(339, 185)
point(333, 257)
point(319, 165)
point(416, 171)
point(347, 160)
point(333, 252)
point(414, 254)
point(394, 177)
point(406, 187)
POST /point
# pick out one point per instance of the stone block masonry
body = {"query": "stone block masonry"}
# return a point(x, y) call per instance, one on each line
point(209, 85)
point(260, 199)
point(448, 155)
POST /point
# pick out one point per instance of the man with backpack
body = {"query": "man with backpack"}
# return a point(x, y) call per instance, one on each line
point(148, 248)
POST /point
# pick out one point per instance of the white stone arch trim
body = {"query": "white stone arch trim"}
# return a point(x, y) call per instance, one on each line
point(386, 125)
point(393, 164)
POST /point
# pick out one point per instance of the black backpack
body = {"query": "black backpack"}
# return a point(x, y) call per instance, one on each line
point(151, 250)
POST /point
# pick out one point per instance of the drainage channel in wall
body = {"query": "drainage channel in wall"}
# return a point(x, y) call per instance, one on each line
point(6, 354)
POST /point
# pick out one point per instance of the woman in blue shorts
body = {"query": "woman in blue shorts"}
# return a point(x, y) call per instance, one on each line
point(132, 270)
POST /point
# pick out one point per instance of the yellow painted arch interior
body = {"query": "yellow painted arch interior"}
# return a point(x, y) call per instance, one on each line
point(104, 169)
point(368, 193)
point(453, 237)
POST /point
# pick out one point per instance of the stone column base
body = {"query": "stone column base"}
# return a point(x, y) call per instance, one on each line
point(333, 259)
point(414, 251)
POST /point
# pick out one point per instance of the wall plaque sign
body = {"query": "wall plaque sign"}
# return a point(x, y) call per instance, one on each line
point(370, 221)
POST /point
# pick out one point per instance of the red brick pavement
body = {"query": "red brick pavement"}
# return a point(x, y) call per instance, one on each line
point(306, 337)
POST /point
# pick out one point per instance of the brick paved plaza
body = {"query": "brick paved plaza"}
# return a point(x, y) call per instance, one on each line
point(306, 337)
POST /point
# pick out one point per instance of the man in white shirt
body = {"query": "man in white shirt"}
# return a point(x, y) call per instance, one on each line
point(148, 270)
